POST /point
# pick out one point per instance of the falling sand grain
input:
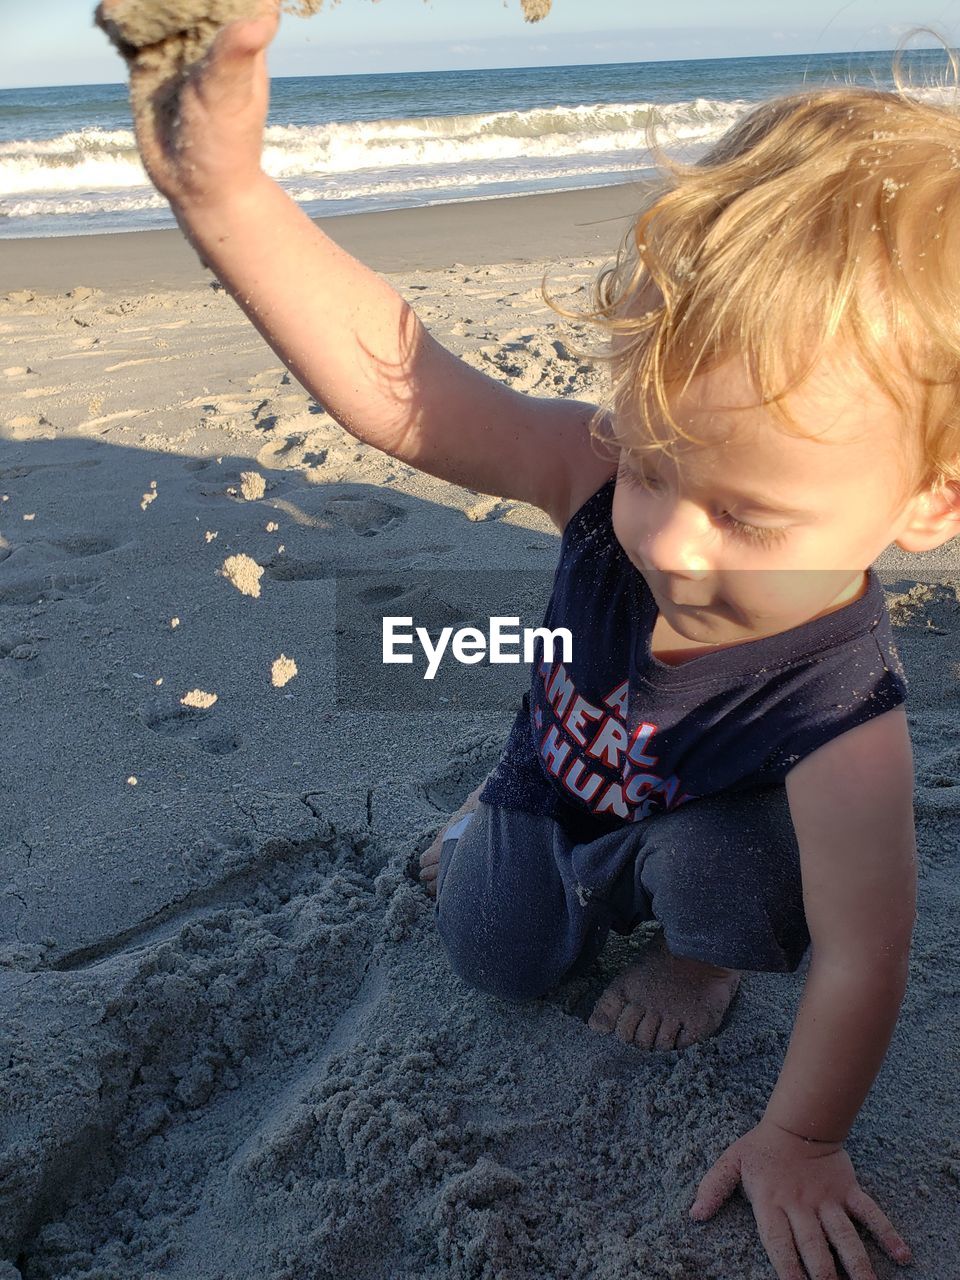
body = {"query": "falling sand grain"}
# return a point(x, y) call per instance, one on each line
point(244, 573)
point(282, 671)
point(252, 485)
point(198, 699)
point(534, 10)
point(163, 41)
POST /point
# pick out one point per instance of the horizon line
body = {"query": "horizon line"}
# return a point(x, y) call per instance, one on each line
point(559, 66)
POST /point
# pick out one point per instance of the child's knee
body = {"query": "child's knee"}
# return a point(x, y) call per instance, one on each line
point(502, 907)
point(487, 961)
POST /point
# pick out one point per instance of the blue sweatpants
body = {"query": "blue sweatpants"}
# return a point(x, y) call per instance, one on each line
point(521, 907)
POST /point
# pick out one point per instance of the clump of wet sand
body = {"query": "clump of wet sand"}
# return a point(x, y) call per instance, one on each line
point(282, 671)
point(252, 485)
point(244, 573)
point(163, 41)
point(199, 699)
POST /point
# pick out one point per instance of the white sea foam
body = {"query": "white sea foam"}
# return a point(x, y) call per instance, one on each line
point(86, 164)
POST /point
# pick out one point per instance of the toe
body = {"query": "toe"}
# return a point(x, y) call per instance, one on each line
point(695, 1030)
point(605, 1012)
point(630, 1018)
point(685, 1038)
point(645, 1035)
point(667, 1035)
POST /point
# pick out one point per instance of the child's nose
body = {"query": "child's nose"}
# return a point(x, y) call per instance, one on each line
point(675, 541)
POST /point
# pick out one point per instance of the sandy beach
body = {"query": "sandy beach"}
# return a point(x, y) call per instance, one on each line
point(231, 1047)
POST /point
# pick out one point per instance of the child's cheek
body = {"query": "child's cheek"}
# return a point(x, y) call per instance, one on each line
point(627, 518)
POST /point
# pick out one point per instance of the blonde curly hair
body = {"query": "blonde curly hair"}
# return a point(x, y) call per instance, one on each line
point(827, 217)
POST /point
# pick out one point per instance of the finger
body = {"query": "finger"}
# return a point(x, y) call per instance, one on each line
point(249, 36)
point(872, 1216)
point(717, 1186)
point(843, 1236)
point(234, 64)
point(777, 1238)
point(811, 1242)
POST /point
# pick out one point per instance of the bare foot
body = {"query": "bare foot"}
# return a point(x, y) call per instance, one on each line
point(430, 858)
point(664, 1002)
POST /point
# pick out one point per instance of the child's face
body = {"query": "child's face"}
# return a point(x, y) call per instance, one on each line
point(757, 530)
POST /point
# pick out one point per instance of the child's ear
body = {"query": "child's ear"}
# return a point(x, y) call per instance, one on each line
point(935, 518)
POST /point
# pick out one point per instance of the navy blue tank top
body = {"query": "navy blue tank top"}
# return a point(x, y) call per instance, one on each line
point(616, 735)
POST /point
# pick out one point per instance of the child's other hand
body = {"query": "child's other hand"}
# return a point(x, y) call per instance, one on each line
point(805, 1198)
point(201, 140)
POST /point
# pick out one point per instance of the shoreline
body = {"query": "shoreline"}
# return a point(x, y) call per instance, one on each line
point(585, 222)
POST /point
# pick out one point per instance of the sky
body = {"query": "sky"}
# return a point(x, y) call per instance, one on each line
point(53, 42)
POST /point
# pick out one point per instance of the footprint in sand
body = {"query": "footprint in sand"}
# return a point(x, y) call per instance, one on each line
point(20, 472)
point(19, 647)
point(425, 601)
point(226, 482)
point(34, 571)
point(365, 516)
point(289, 569)
point(167, 717)
point(219, 742)
point(36, 551)
point(51, 587)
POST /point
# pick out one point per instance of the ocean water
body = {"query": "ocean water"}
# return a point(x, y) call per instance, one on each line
point(343, 144)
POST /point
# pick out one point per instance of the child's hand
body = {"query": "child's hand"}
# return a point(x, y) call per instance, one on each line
point(202, 140)
point(805, 1198)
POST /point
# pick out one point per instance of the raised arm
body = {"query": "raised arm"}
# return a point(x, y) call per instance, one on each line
point(346, 335)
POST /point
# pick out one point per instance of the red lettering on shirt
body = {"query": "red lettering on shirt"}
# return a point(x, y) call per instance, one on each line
point(564, 749)
point(611, 742)
point(580, 712)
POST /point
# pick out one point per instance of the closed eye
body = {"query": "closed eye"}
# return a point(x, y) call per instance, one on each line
point(766, 535)
point(762, 535)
